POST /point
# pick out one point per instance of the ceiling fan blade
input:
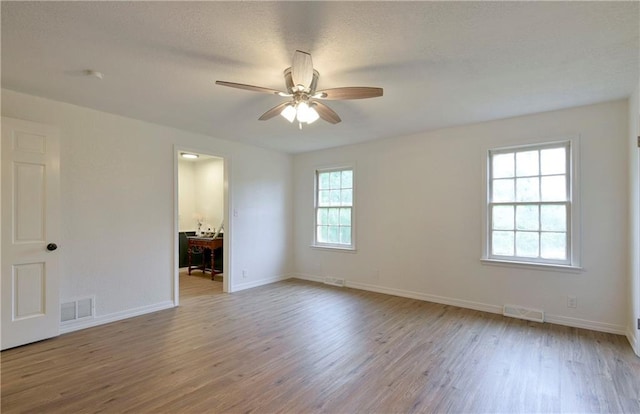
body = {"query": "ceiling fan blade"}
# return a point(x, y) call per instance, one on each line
point(353, 92)
point(326, 113)
point(302, 69)
point(251, 88)
point(273, 111)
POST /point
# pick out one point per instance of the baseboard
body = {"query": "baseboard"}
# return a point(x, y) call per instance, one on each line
point(485, 307)
point(426, 297)
point(310, 278)
point(633, 341)
point(113, 317)
point(261, 282)
point(585, 324)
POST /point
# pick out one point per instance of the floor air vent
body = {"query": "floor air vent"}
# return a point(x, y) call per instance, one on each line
point(334, 281)
point(77, 309)
point(520, 312)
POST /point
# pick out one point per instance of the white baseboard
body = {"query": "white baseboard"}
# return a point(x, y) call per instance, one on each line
point(113, 317)
point(310, 278)
point(585, 324)
point(485, 307)
point(634, 341)
point(427, 298)
point(248, 285)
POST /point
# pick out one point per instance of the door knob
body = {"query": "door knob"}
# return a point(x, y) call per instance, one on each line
point(52, 246)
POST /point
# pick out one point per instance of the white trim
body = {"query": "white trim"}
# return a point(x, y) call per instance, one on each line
point(117, 316)
point(261, 282)
point(461, 303)
point(333, 248)
point(532, 265)
point(586, 324)
point(635, 344)
point(308, 277)
point(484, 307)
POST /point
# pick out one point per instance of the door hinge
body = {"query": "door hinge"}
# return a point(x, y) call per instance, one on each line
point(638, 141)
point(638, 323)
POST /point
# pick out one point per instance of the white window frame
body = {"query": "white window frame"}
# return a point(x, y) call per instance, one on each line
point(573, 205)
point(334, 246)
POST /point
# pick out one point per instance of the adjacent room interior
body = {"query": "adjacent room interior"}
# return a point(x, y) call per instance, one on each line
point(201, 214)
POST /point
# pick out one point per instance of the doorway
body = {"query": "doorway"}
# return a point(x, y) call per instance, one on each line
point(201, 208)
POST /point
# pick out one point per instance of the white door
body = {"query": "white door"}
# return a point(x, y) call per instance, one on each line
point(30, 231)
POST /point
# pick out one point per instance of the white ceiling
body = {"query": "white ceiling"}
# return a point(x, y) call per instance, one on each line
point(440, 63)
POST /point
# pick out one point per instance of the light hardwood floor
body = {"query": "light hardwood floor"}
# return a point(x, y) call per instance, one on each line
point(302, 347)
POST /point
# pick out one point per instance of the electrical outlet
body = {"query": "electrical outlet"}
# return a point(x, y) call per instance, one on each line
point(572, 301)
point(244, 274)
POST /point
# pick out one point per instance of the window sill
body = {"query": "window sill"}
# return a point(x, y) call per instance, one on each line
point(534, 266)
point(333, 248)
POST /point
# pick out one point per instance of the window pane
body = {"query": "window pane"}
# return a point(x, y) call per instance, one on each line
point(321, 231)
point(345, 235)
point(323, 216)
point(527, 218)
point(323, 180)
point(345, 216)
point(323, 197)
point(333, 217)
point(502, 243)
point(553, 161)
point(503, 190)
point(553, 246)
point(527, 244)
point(334, 234)
point(503, 165)
point(334, 197)
point(553, 218)
point(334, 179)
point(346, 197)
point(554, 188)
point(347, 179)
point(526, 163)
point(527, 189)
point(502, 218)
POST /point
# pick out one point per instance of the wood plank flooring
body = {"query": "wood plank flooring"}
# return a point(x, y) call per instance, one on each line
point(302, 347)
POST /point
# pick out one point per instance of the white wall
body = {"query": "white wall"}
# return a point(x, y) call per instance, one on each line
point(118, 206)
point(209, 191)
point(419, 218)
point(200, 193)
point(634, 221)
point(186, 196)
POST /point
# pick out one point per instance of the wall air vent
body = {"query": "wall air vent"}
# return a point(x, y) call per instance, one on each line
point(521, 312)
point(68, 312)
point(78, 309)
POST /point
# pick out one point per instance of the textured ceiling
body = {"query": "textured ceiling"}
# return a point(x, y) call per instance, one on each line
point(440, 63)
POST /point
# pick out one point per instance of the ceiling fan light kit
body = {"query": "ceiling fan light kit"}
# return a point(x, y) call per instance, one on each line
point(301, 81)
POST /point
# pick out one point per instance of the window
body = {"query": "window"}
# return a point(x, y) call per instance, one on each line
point(529, 211)
point(334, 208)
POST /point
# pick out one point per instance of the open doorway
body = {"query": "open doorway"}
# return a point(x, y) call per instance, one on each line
point(201, 220)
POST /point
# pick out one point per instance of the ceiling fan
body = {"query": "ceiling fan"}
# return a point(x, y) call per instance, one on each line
point(304, 106)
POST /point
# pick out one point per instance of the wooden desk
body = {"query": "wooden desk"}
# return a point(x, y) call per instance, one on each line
point(203, 243)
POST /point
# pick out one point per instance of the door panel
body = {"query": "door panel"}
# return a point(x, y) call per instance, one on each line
point(28, 198)
point(30, 220)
